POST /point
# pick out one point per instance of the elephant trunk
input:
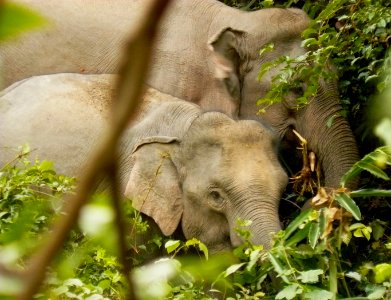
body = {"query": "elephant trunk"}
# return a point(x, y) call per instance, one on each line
point(329, 135)
point(264, 222)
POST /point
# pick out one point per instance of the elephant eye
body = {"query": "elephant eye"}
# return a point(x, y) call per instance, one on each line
point(216, 199)
point(215, 196)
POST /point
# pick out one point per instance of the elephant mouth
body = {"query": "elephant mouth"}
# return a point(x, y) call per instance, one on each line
point(225, 245)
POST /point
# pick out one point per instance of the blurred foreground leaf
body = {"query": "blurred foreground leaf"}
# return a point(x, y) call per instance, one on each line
point(15, 19)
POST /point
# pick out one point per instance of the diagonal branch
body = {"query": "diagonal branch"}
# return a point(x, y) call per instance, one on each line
point(130, 89)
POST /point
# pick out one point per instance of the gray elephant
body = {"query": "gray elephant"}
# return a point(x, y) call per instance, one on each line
point(199, 171)
point(207, 53)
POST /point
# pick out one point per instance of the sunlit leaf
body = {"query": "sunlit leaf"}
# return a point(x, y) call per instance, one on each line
point(360, 230)
point(377, 293)
point(172, 245)
point(382, 272)
point(192, 242)
point(232, 269)
point(311, 276)
point(254, 257)
point(354, 275)
point(94, 218)
point(317, 294)
point(289, 292)
point(46, 165)
point(204, 249)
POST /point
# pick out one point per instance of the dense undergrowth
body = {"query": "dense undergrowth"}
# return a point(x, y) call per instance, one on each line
point(328, 253)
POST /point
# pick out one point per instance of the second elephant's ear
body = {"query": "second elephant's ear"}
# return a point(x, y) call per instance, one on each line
point(154, 184)
point(226, 58)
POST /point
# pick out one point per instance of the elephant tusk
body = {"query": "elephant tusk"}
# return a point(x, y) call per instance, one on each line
point(312, 160)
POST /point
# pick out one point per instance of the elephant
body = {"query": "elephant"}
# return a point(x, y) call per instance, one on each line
point(206, 53)
point(188, 169)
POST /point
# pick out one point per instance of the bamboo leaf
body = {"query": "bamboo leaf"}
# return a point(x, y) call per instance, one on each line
point(314, 234)
point(347, 203)
point(370, 193)
point(372, 162)
point(299, 235)
point(373, 169)
point(300, 219)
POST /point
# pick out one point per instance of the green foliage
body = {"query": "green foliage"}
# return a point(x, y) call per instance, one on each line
point(16, 19)
point(312, 258)
point(353, 36)
point(29, 201)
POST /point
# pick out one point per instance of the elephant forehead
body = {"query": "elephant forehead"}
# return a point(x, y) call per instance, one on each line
point(248, 135)
point(251, 160)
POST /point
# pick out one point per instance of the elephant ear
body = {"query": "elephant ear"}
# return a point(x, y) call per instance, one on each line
point(154, 185)
point(226, 58)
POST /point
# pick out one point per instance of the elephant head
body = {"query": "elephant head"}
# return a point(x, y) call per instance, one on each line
point(218, 171)
point(234, 50)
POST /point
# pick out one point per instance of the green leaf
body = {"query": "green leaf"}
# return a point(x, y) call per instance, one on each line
point(373, 169)
point(278, 267)
point(360, 230)
point(377, 293)
point(254, 256)
point(377, 230)
point(46, 165)
point(267, 48)
point(192, 242)
point(299, 236)
point(311, 276)
point(300, 219)
point(370, 193)
point(290, 292)
point(354, 275)
point(204, 249)
point(314, 234)
point(232, 269)
point(171, 245)
point(15, 19)
point(382, 272)
point(346, 202)
point(371, 163)
point(318, 294)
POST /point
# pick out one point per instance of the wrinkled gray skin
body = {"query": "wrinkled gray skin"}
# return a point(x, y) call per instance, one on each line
point(206, 52)
point(181, 166)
